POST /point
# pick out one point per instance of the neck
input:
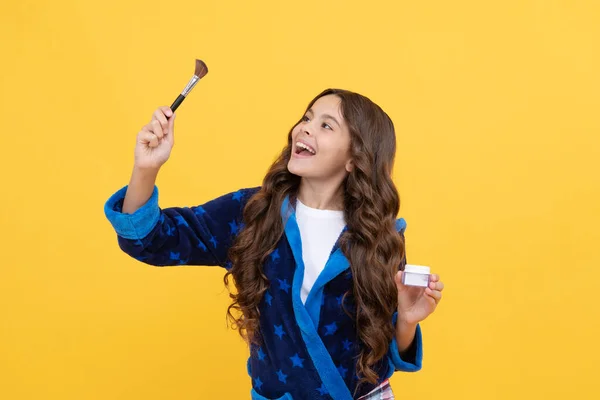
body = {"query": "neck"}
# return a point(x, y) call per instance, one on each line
point(321, 195)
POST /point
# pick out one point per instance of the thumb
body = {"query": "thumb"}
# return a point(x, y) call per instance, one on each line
point(398, 280)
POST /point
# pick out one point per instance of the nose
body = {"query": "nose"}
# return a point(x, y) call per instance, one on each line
point(307, 129)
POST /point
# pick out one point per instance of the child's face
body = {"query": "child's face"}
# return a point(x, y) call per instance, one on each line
point(325, 132)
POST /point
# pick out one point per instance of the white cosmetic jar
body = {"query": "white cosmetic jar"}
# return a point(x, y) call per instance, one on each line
point(416, 275)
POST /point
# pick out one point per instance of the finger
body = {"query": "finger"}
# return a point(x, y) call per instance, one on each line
point(436, 286)
point(169, 133)
point(435, 294)
point(434, 278)
point(148, 138)
point(157, 129)
point(160, 117)
point(399, 278)
point(166, 111)
point(149, 127)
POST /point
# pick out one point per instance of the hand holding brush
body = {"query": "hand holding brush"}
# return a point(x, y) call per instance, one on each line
point(153, 147)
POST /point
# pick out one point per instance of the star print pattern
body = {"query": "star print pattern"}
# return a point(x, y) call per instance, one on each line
point(199, 211)
point(233, 226)
point(346, 343)
point(180, 220)
point(278, 329)
point(237, 196)
point(322, 390)
point(284, 285)
point(202, 235)
point(260, 354)
point(297, 361)
point(268, 298)
point(330, 329)
point(281, 376)
point(275, 255)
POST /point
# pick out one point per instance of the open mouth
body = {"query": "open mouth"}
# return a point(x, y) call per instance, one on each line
point(304, 149)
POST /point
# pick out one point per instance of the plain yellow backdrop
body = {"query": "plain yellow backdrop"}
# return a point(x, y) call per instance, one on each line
point(496, 111)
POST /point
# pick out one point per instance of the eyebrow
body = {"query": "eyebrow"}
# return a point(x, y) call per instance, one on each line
point(326, 116)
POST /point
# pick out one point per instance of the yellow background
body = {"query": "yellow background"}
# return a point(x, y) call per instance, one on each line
point(496, 110)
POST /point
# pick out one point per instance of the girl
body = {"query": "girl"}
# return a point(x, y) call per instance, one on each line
point(316, 253)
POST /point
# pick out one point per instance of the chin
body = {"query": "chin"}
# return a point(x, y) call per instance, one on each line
point(299, 170)
point(294, 168)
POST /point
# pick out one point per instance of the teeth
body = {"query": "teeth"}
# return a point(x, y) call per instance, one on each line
point(302, 145)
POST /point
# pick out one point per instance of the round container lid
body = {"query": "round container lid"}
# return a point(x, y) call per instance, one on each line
point(416, 269)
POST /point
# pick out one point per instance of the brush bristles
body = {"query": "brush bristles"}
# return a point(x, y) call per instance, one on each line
point(201, 69)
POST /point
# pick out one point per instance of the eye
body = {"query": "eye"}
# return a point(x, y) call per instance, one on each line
point(327, 126)
point(305, 119)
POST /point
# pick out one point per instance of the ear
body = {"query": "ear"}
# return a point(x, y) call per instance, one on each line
point(350, 165)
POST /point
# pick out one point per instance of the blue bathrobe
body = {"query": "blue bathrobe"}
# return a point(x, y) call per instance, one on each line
point(307, 351)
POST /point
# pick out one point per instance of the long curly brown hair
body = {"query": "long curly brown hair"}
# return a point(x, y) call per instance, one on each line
point(371, 242)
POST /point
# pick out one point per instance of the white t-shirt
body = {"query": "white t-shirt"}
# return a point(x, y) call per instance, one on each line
point(319, 230)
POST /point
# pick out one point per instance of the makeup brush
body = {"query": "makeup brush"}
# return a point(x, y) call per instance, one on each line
point(201, 70)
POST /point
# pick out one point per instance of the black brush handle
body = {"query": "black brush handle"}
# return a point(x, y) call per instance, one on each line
point(177, 102)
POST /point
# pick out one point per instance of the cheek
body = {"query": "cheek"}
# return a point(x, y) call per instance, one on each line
point(335, 152)
point(295, 131)
point(338, 147)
